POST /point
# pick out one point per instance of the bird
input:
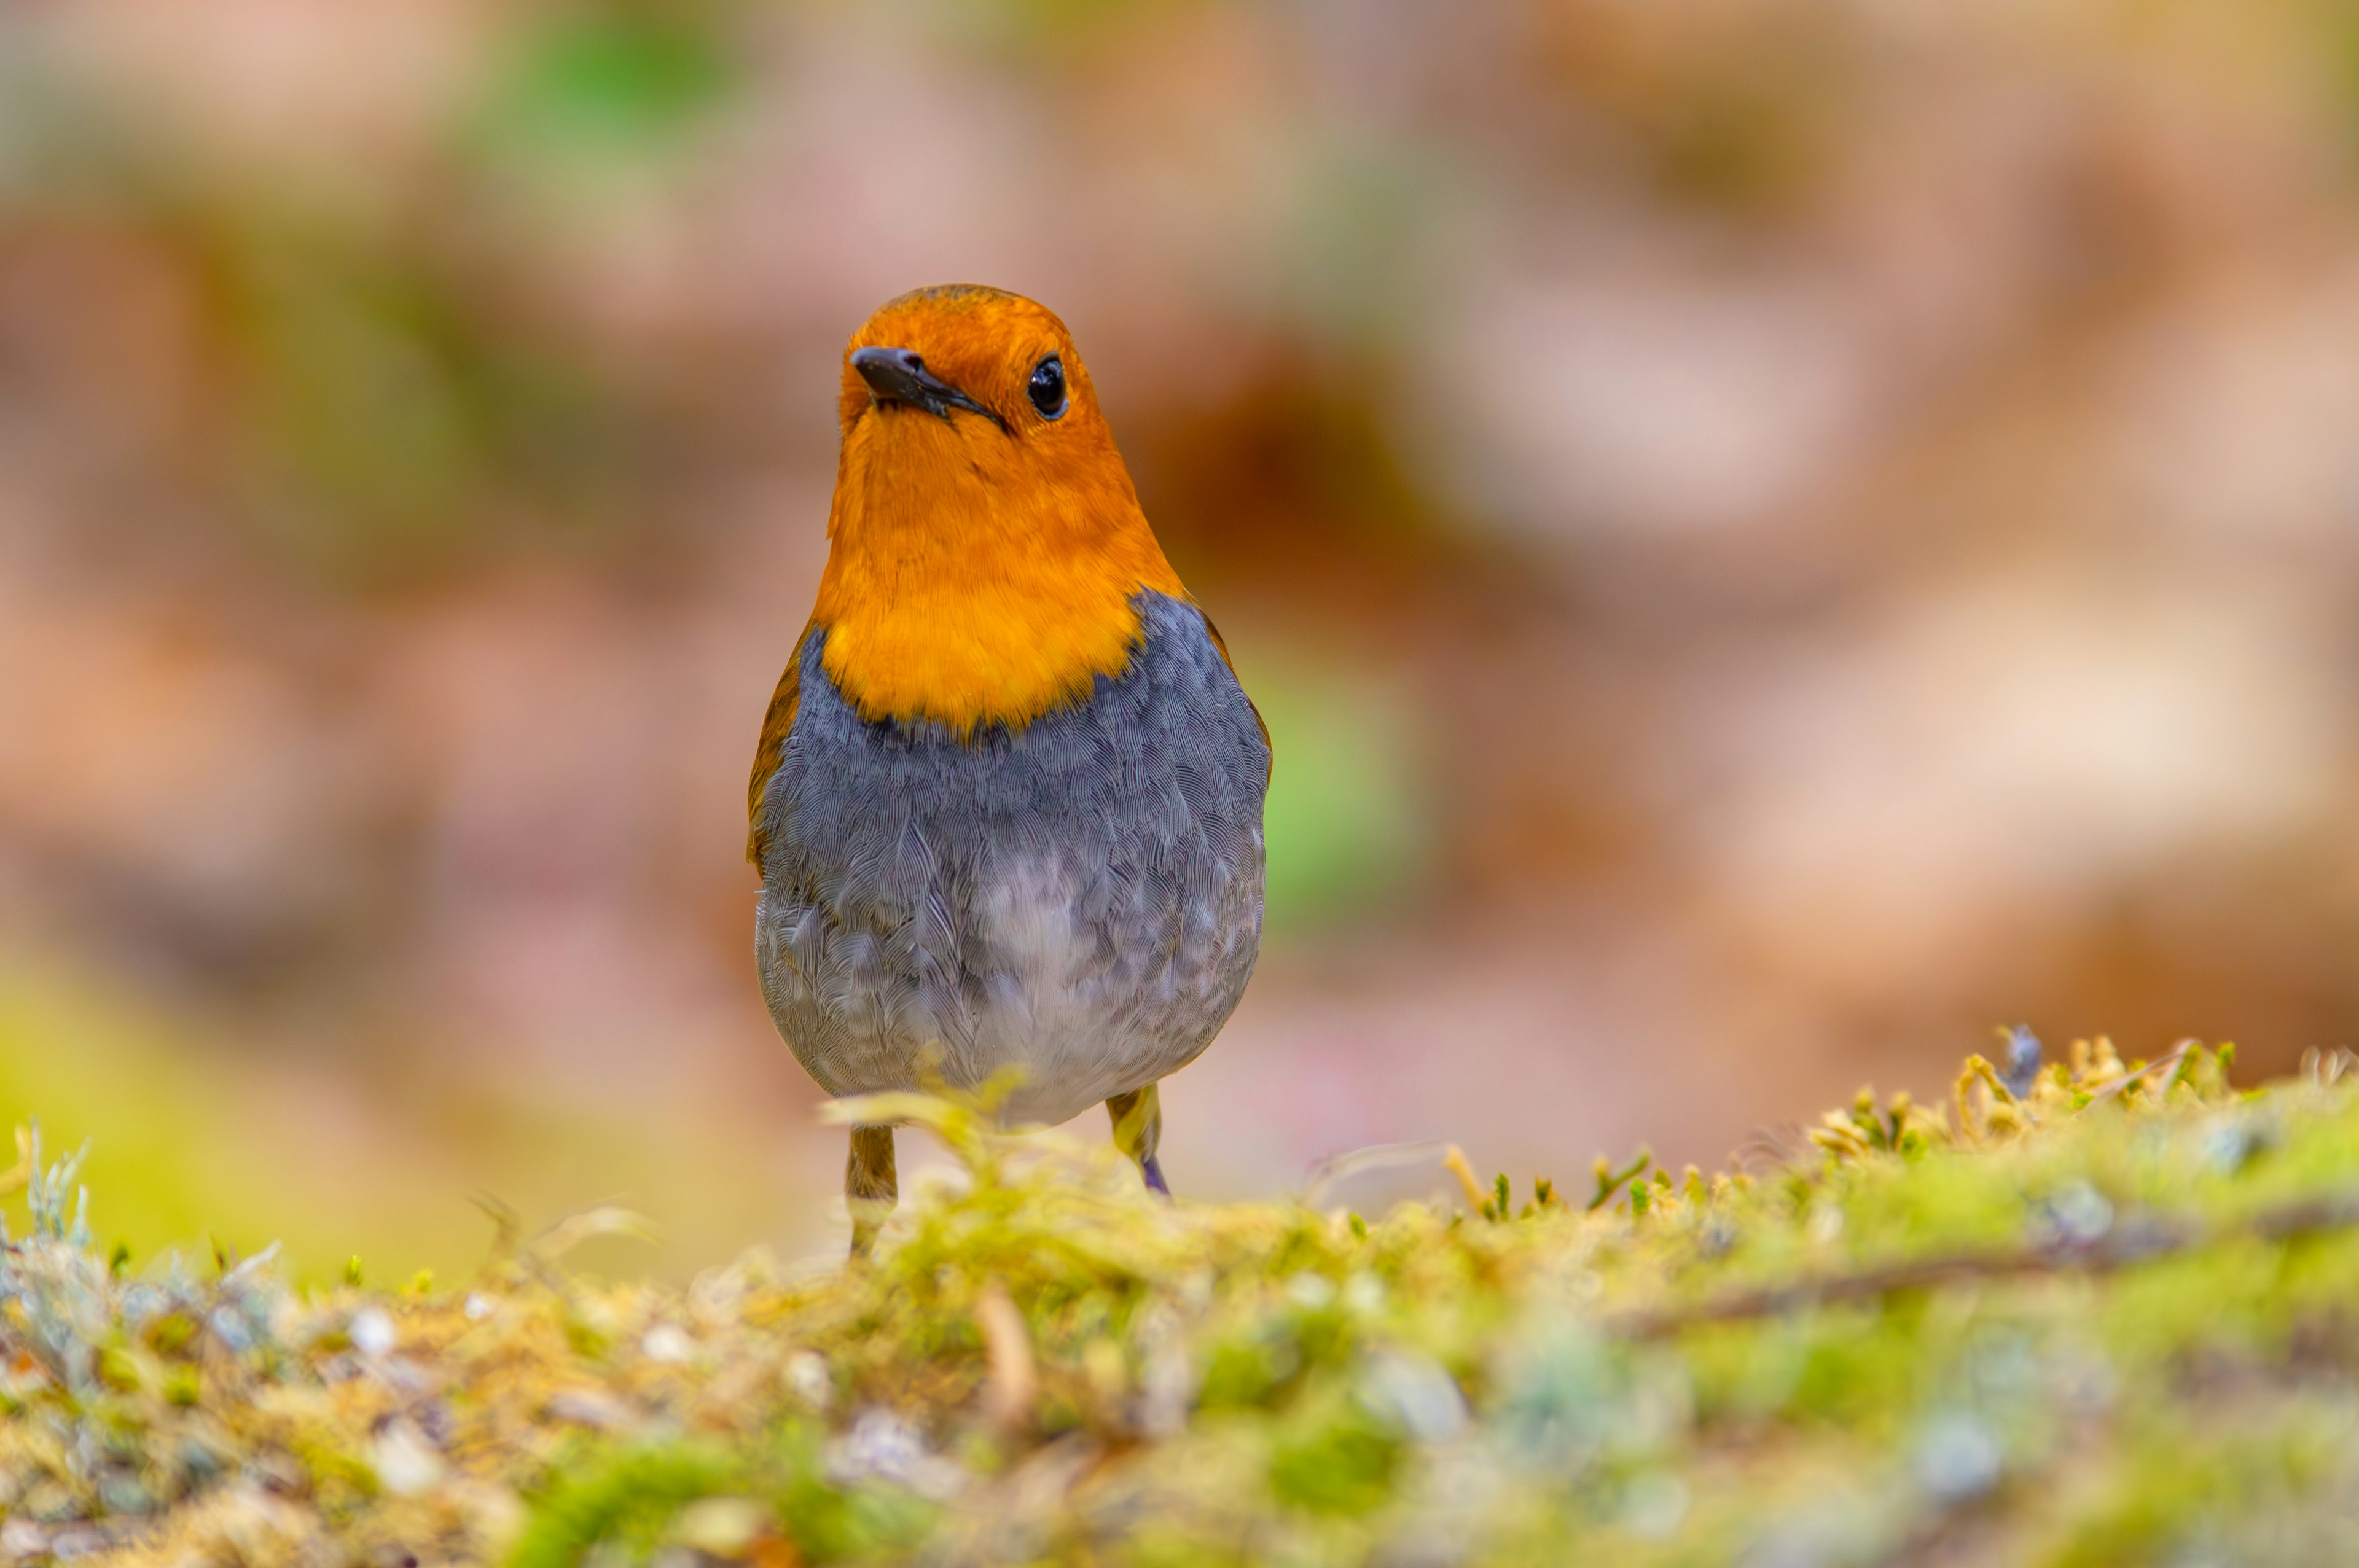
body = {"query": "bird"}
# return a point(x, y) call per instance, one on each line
point(1006, 804)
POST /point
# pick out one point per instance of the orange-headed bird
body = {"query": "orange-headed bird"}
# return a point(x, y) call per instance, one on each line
point(1007, 803)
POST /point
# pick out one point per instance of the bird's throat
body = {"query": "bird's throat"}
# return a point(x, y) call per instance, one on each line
point(969, 597)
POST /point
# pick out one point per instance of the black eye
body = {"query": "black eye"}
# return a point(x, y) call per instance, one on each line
point(1048, 387)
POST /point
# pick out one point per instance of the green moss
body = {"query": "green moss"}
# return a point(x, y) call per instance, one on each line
point(1341, 1460)
point(627, 1499)
point(2106, 1321)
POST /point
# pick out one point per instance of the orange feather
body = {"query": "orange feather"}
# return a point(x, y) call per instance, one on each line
point(976, 575)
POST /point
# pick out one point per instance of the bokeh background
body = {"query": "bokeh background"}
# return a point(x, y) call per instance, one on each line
point(1773, 535)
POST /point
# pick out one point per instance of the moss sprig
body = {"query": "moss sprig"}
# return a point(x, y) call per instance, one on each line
point(2028, 1315)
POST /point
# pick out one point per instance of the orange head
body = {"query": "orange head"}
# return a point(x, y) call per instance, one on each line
point(984, 543)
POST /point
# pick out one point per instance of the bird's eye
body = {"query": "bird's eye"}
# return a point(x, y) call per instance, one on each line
point(1048, 387)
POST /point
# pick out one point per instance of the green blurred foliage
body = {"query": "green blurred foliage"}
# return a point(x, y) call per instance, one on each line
point(162, 1128)
point(394, 392)
point(595, 80)
point(197, 1144)
point(1347, 827)
point(400, 423)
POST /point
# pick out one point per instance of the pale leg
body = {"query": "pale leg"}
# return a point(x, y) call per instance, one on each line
point(1137, 1129)
point(871, 1188)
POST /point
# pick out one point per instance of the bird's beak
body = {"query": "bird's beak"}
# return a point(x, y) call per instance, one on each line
point(900, 375)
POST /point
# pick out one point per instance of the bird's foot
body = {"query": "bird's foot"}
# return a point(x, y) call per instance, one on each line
point(1137, 1129)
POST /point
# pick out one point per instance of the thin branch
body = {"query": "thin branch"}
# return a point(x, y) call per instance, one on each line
point(2171, 1059)
point(2125, 1246)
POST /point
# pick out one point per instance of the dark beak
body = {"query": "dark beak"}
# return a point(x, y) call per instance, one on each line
point(900, 375)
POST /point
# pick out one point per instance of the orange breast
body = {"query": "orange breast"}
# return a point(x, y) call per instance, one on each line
point(961, 592)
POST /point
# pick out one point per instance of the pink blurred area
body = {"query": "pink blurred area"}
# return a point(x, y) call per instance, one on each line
point(1777, 536)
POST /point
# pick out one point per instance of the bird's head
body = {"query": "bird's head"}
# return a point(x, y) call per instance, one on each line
point(985, 542)
point(974, 359)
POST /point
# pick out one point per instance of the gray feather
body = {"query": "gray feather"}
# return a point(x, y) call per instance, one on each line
point(1081, 897)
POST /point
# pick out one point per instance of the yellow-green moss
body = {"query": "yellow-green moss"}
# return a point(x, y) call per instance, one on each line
point(2105, 1320)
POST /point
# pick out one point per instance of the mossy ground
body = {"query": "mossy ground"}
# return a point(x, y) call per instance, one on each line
point(2110, 1320)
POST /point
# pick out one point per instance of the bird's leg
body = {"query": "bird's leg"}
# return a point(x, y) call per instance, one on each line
point(870, 1186)
point(1137, 1129)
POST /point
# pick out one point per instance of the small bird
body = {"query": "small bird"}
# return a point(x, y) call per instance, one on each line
point(1007, 801)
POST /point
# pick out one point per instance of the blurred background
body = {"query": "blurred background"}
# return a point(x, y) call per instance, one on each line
point(1773, 536)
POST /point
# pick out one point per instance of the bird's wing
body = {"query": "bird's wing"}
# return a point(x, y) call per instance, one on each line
point(1269, 770)
point(772, 748)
